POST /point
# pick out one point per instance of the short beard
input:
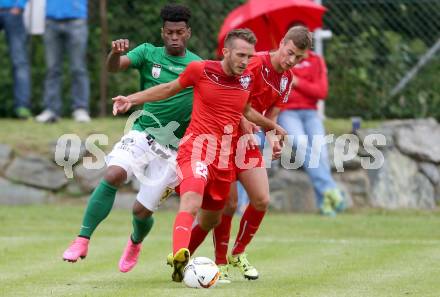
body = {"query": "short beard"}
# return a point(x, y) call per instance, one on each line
point(231, 68)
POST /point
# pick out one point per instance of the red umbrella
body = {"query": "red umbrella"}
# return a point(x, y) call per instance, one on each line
point(270, 20)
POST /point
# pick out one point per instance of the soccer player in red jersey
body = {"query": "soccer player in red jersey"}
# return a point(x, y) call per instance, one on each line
point(205, 155)
point(272, 85)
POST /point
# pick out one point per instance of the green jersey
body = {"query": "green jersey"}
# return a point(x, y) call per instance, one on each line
point(155, 67)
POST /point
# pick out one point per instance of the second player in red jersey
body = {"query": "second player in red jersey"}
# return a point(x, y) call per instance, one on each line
point(271, 87)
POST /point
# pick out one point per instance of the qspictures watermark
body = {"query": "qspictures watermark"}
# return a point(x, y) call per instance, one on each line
point(307, 152)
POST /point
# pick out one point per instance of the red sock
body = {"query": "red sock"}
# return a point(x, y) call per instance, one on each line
point(249, 224)
point(197, 237)
point(221, 240)
point(182, 230)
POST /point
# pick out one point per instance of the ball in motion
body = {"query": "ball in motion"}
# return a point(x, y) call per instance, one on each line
point(201, 272)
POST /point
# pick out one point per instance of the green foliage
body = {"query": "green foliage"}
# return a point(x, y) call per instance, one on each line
point(375, 44)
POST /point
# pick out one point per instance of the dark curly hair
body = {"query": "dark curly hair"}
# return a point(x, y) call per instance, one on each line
point(175, 13)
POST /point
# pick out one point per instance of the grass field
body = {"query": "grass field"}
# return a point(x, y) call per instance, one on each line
point(365, 254)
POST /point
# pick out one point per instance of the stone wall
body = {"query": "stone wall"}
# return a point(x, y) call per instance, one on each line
point(408, 178)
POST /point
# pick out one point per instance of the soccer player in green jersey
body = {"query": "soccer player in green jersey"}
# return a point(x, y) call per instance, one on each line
point(148, 151)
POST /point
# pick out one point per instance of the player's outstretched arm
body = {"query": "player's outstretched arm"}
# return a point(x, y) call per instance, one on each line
point(122, 104)
point(257, 118)
point(269, 125)
point(115, 60)
point(249, 128)
point(272, 113)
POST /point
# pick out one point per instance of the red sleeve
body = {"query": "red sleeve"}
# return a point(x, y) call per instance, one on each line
point(192, 73)
point(317, 87)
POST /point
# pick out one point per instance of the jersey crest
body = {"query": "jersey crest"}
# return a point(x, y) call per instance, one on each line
point(244, 81)
point(283, 83)
point(155, 71)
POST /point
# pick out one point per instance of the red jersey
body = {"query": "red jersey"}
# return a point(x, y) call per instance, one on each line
point(219, 102)
point(312, 83)
point(270, 87)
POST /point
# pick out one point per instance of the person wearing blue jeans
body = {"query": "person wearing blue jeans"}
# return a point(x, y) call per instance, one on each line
point(299, 117)
point(66, 32)
point(11, 21)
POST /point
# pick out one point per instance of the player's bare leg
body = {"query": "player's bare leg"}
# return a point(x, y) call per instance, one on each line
point(256, 184)
point(232, 203)
point(98, 208)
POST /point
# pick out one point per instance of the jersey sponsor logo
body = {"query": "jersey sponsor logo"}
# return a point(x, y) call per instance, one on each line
point(214, 76)
point(202, 169)
point(175, 68)
point(155, 71)
point(245, 81)
point(267, 71)
point(283, 83)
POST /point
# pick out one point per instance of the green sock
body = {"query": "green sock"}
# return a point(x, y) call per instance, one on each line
point(141, 228)
point(98, 208)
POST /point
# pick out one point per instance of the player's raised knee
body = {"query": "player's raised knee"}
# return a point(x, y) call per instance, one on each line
point(208, 224)
point(190, 202)
point(115, 176)
point(260, 202)
point(141, 211)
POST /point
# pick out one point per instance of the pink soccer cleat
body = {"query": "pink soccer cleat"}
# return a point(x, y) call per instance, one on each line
point(130, 256)
point(78, 249)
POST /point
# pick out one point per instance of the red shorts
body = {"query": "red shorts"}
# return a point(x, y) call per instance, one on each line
point(214, 185)
point(251, 159)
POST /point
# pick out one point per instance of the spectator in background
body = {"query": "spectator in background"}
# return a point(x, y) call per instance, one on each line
point(66, 32)
point(11, 20)
point(300, 118)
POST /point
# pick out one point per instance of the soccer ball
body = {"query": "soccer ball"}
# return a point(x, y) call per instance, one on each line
point(201, 272)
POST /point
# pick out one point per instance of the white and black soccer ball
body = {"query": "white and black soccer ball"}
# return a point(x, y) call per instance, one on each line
point(201, 272)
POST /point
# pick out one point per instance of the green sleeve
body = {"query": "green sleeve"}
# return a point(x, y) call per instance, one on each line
point(139, 55)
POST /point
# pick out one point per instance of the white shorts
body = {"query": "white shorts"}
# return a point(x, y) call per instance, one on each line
point(153, 164)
